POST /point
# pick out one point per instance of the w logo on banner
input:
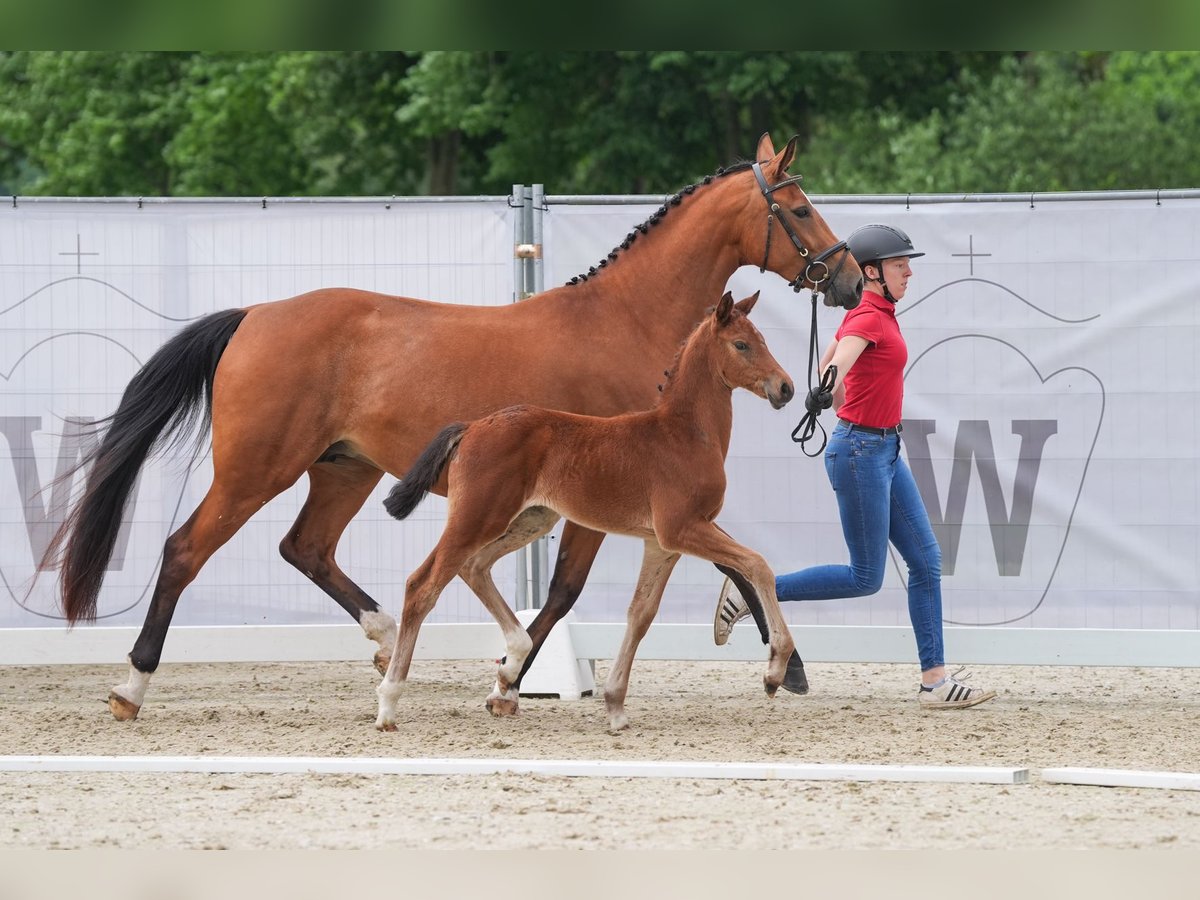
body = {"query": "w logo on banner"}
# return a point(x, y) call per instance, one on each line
point(42, 519)
point(1000, 454)
point(1009, 525)
point(53, 394)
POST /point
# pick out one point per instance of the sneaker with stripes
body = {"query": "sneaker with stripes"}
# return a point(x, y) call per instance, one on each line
point(951, 693)
point(731, 608)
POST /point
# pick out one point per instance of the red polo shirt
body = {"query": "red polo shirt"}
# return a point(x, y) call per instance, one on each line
point(875, 383)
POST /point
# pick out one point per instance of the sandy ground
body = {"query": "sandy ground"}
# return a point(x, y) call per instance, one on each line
point(1110, 718)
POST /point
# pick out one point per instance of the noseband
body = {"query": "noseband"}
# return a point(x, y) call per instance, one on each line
point(817, 271)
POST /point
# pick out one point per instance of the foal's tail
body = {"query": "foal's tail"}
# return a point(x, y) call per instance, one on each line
point(412, 488)
point(169, 395)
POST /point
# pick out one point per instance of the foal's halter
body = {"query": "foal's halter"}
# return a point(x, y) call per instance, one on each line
point(808, 425)
point(811, 273)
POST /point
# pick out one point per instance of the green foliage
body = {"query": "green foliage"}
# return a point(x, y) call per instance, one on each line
point(1044, 122)
point(384, 122)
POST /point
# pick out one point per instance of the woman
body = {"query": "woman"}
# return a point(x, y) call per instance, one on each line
point(877, 497)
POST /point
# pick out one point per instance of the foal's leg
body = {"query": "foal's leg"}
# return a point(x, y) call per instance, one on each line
point(795, 681)
point(424, 587)
point(657, 564)
point(477, 573)
point(337, 490)
point(577, 551)
point(707, 541)
point(473, 522)
point(224, 509)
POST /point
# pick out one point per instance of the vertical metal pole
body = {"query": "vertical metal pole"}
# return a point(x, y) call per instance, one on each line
point(540, 550)
point(521, 601)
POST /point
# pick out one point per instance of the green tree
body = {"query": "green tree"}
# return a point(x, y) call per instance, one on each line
point(90, 123)
point(447, 122)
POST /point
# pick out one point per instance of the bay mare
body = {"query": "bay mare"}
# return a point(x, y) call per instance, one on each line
point(346, 385)
point(658, 475)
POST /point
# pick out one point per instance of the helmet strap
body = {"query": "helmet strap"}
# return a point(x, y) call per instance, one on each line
point(887, 294)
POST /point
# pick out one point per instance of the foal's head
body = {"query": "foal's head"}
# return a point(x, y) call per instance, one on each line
point(741, 355)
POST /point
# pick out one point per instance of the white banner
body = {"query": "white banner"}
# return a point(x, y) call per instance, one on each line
point(88, 292)
point(1051, 407)
point(1051, 402)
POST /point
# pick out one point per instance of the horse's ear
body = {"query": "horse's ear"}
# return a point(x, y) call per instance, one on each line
point(744, 306)
point(766, 150)
point(787, 156)
point(724, 309)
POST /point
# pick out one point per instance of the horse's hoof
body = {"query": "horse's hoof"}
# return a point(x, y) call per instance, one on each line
point(770, 688)
point(794, 680)
point(617, 724)
point(382, 661)
point(502, 706)
point(385, 726)
point(122, 709)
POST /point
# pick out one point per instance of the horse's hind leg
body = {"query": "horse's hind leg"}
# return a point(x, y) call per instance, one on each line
point(477, 573)
point(577, 551)
point(218, 517)
point(657, 564)
point(337, 490)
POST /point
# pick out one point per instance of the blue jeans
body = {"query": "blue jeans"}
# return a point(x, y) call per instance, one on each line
point(878, 501)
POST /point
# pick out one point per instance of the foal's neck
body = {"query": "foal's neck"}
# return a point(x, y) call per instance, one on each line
point(697, 392)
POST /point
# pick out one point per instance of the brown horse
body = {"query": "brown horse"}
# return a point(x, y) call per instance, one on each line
point(658, 475)
point(346, 385)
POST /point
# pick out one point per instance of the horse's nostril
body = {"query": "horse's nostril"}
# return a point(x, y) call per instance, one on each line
point(786, 391)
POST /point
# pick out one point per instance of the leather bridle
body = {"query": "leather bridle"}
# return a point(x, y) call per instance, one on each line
point(815, 277)
point(811, 273)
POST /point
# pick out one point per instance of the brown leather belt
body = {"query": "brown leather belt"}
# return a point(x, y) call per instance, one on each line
point(882, 432)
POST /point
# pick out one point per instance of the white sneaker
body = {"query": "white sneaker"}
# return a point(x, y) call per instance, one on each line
point(731, 608)
point(952, 693)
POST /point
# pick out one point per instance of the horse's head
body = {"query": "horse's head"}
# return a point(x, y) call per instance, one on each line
point(742, 356)
point(782, 231)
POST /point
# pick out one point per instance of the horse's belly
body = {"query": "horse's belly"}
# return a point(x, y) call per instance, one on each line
point(607, 514)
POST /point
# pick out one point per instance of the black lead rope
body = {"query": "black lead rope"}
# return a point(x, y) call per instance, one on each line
point(809, 424)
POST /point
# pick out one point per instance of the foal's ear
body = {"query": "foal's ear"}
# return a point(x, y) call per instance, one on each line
point(724, 309)
point(748, 304)
point(766, 150)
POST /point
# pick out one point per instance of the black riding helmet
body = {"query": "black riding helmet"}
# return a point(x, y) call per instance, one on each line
point(872, 244)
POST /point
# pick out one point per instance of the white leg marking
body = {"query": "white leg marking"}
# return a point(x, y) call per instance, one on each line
point(518, 644)
point(133, 690)
point(379, 627)
point(389, 695)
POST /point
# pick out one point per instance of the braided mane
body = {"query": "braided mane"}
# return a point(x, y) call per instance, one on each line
point(656, 217)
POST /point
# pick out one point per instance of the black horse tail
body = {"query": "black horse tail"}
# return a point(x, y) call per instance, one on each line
point(412, 488)
point(169, 395)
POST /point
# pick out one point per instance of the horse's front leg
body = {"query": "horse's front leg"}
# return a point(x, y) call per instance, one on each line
point(657, 564)
point(477, 573)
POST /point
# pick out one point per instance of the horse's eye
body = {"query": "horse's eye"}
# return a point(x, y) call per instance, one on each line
point(801, 212)
point(742, 346)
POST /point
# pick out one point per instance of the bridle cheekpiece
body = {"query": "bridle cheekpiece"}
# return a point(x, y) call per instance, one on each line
point(811, 273)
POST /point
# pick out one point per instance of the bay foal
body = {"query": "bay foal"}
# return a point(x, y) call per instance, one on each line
point(658, 475)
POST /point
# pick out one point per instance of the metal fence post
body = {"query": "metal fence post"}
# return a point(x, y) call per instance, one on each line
point(540, 550)
point(517, 201)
